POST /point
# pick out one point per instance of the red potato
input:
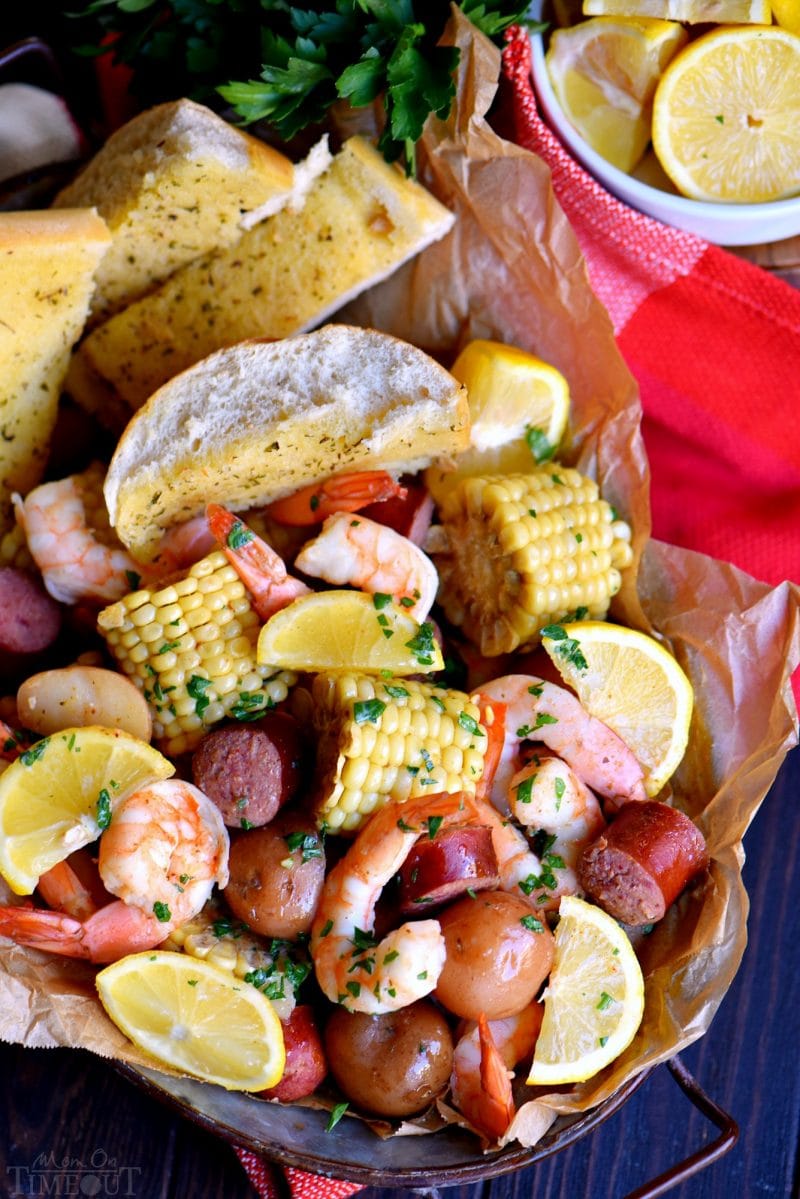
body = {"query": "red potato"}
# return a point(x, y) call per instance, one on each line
point(499, 952)
point(250, 770)
point(393, 1064)
point(642, 862)
point(275, 888)
point(30, 619)
point(440, 870)
point(306, 1065)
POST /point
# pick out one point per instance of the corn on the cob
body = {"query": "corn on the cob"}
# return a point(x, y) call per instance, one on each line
point(276, 967)
point(190, 647)
point(390, 740)
point(520, 552)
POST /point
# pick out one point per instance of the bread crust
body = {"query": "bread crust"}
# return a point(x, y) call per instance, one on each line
point(259, 420)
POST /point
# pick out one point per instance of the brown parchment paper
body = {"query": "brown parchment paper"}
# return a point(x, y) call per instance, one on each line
point(512, 270)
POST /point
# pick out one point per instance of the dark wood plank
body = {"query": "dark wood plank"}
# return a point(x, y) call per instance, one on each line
point(69, 1105)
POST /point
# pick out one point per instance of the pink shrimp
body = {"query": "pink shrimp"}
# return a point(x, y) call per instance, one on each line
point(71, 541)
point(484, 1056)
point(540, 711)
point(351, 967)
point(547, 795)
point(342, 493)
point(373, 557)
point(261, 570)
point(162, 854)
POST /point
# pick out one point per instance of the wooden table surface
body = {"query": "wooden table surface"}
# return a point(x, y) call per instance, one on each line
point(69, 1106)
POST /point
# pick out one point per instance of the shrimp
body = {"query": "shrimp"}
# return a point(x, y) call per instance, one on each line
point(261, 570)
point(546, 795)
point(540, 711)
point(71, 541)
point(351, 967)
point(517, 864)
point(484, 1056)
point(343, 493)
point(373, 557)
point(161, 855)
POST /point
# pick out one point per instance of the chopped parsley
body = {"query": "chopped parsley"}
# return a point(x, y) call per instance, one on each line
point(35, 752)
point(434, 823)
point(470, 724)
point(560, 788)
point(525, 790)
point(606, 1001)
point(161, 911)
point(196, 689)
point(336, 1114)
point(239, 536)
point(542, 719)
point(366, 710)
point(532, 923)
point(539, 444)
point(103, 809)
point(395, 692)
point(567, 648)
point(381, 600)
point(423, 644)
point(308, 844)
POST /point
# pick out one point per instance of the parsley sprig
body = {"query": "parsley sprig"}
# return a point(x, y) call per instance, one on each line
point(273, 61)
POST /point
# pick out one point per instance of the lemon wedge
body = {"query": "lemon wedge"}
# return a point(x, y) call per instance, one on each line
point(348, 630)
point(594, 1001)
point(787, 14)
point(630, 682)
point(49, 796)
point(728, 12)
point(518, 406)
point(726, 116)
point(604, 73)
point(195, 1017)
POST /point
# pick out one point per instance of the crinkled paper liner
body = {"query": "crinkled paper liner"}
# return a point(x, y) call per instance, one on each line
point(511, 270)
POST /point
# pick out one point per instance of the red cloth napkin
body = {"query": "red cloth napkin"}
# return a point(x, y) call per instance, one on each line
point(714, 344)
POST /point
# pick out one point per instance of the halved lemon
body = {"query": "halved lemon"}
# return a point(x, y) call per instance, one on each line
point(728, 12)
point(594, 1001)
point(348, 630)
point(630, 682)
point(726, 116)
point(195, 1017)
point(49, 796)
point(518, 406)
point(604, 72)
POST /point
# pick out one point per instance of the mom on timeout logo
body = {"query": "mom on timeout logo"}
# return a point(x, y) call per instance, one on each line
point(49, 1175)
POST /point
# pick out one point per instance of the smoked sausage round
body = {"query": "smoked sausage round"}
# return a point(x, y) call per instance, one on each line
point(442, 869)
point(250, 770)
point(640, 864)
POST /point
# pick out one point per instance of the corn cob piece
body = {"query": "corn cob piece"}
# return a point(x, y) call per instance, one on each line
point(190, 647)
point(390, 740)
point(521, 552)
point(276, 967)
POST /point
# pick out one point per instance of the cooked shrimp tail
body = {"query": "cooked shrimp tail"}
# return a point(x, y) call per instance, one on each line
point(262, 571)
point(62, 888)
point(342, 493)
point(352, 967)
point(541, 711)
point(484, 1056)
point(107, 935)
point(375, 558)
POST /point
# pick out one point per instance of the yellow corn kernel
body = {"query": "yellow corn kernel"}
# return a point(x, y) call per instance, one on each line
point(194, 667)
point(521, 552)
point(436, 743)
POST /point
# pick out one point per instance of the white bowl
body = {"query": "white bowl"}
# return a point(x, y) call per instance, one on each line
point(724, 224)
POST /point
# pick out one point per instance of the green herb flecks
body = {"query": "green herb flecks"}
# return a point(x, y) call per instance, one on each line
point(566, 647)
point(539, 444)
point(103, 811)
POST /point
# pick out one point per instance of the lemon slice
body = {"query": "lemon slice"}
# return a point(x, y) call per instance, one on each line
point(594, 999)
point(728, 12)
point(49, 796)
point(348, 630)
point(195, 1017)
point(518, 406)
point(604, 73)
point(787, 14)
point(726, 116)
point(630, 682)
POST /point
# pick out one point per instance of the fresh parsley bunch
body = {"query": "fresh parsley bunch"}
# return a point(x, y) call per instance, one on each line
point(293, 63)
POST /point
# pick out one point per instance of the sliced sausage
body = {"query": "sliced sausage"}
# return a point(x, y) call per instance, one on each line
point(440, 869)
point(30, 619)
point(250, 770)
point(642, 862)
point(409, 514)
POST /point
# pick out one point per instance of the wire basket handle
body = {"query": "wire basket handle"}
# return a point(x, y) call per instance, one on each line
point(710, 1153)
